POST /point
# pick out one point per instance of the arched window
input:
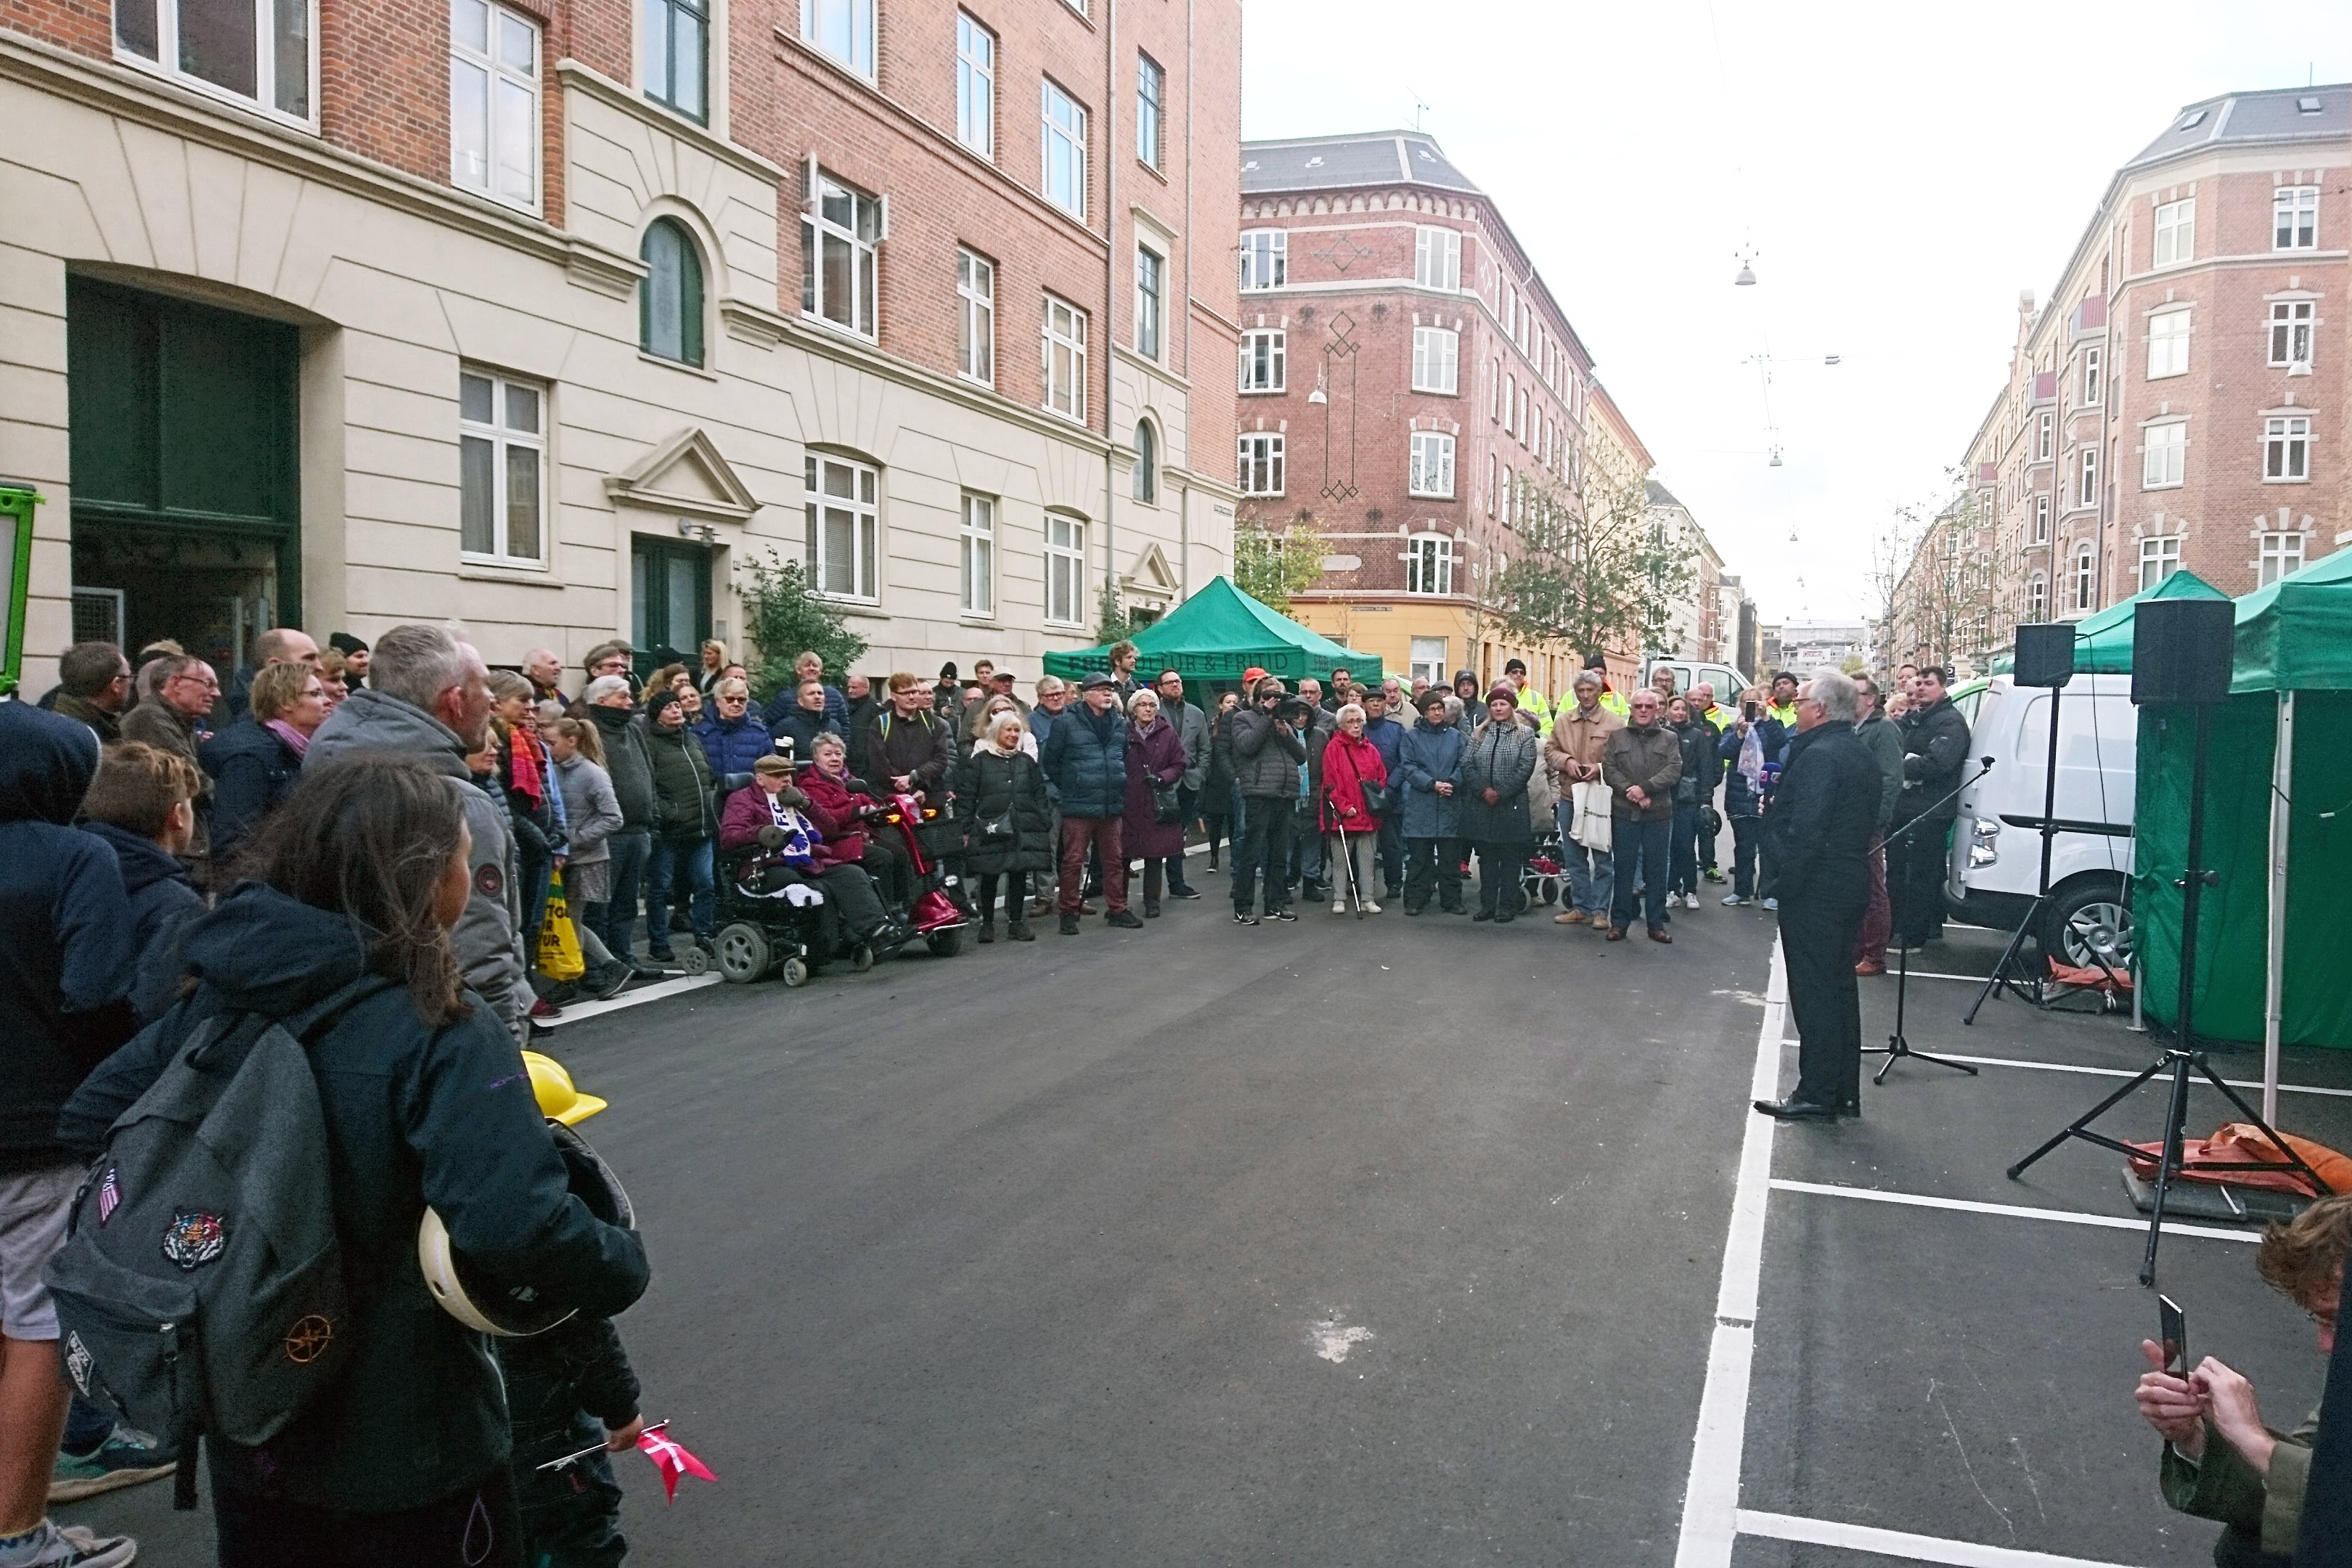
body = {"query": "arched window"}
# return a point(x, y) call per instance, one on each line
point(2037, 598)
point(2086, 579)
point(1147, 464)
point(669, 301)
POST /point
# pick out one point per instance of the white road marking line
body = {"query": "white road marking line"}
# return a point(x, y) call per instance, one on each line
point(1711, 1494)
point(577, 1012)
point(1899, 1543)
point(2119, 1072)
point(2012, 1211)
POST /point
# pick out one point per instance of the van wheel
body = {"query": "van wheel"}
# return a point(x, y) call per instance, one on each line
point(2087, 923)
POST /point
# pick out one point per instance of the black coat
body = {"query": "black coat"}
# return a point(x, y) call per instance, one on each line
point(1086, 756)
point(252, 771)
point(682, 783)
point(1934, 753)
point(416, 1115)
point(918, 747)
point(989, 788)
point(1817, 835)
point(160, 896)
point(629, 760)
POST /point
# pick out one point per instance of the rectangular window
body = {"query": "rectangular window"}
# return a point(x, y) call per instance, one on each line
point(2165, 456)
point(2168, 344)
point(1510, 491)
point(1065, 359)
point(2290, 331)
point(1262, 360)
point(1495, 389)
point(2158, 559)
point(1150, 286)
point(843, 528)
point(501, 454)
point(2041, 519)
point(2086, 489)
point(2282, 556)
point(1429, 569)
point(2090, 376)
point(1151, 96)
point(1066, 569)
point(1430, 470)
point(975, 317)
point(1261, 463)
point(838, 256)
point(1526, 432)
point(1510, 402)
point(1265, 259)
point(975, 85)
point(494, 102)
point(1066, 150)
point(842, 29)
point(677, 53)
point(2294, 217)
point(2176, 231)
point(2041, 439)
point(2086, 579)
point(1437, 259)
point(2287, 449)
point(1436, 357)
point(2037, 598)
point(1428, 660)
point(257, 50)
point(1493, 484)
point(977, 545)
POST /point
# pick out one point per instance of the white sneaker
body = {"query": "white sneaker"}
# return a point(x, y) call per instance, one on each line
point(1690, 901)
point(1732, 900)
point(1371, 908)
point(75, 1546)
point(1338, 906)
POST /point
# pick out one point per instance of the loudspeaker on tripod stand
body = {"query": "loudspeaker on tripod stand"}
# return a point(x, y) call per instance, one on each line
point(2181, 651)
point(2045, 654)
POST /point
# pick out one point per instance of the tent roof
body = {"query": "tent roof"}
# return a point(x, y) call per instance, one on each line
point(1220, 632)
point(2296, 634)
point(2103, 643)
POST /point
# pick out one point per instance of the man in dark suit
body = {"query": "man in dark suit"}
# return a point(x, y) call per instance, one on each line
point(1817, 847)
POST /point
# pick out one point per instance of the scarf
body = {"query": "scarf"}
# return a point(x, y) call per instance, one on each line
point(291, 735)
point(799, 847)
point(527, 765)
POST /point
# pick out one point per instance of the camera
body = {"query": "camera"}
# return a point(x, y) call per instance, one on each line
point(1295, 711)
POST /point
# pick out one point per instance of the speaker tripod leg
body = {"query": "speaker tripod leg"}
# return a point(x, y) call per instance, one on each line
point(2074, 1128)
point(2176, 1117)
point(2001, 975)
point(2293, 1162)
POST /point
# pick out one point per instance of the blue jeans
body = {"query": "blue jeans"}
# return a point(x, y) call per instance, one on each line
point(1392, 850)
point(631, 848)
point(1591, 873)
point(1305, 844)
point(1642, 847)
point(1683, 857)
point(680, 865)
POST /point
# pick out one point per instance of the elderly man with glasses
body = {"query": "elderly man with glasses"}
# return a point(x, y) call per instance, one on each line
point(178, 721)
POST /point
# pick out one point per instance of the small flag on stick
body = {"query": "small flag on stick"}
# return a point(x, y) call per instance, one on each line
point(670, 1459)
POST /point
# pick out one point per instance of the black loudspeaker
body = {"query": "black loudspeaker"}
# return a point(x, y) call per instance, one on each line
point(2181, 651)
point(2045, 654)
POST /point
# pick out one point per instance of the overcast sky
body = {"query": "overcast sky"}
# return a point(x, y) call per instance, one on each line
point(1902, 172)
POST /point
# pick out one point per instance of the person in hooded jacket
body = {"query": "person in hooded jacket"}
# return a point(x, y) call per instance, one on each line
point(65, 968)
point(1473, 707)
point(359, 878)
point(254, 761)
point(1155, 759)
point(1428, 778)
point(1008, 822)
point(143, 803)
point(684, 826)
point(1496, 767)
point(607, 704)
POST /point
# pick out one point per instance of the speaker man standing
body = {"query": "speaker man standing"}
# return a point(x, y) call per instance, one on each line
point(1817, 844)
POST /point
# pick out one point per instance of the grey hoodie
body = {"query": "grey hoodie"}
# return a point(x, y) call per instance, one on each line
point(488, 947)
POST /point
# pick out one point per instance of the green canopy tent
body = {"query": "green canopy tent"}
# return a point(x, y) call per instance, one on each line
point(2276, 827)
point(2103, 643)
point(1212, 637)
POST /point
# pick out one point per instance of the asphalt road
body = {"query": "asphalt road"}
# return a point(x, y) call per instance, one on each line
point(1391, 1241)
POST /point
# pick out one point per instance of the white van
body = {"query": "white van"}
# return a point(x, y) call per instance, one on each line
point(1729, 683)
point(1996, 847)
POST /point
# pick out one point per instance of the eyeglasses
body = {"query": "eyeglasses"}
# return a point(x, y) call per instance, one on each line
point(200, 682)
point(734, 699)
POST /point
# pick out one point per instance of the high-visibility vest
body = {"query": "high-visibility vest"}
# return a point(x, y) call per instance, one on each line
point(1616, 704)
point(1532, 701)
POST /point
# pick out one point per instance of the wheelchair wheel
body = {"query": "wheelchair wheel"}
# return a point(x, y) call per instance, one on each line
point(863, 959)
point(1548, 891)
point(694, 958)
point(743, 953)
point(795, 970)
point(945, 943)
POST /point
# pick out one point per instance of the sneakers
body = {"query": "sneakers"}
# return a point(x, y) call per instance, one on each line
point(1371, 908)
point(1244, 917)
point(1570, 918)
point(1069, 925)
point(1690, 899)
point(1732, 900)
point(69, 1546)
point(120, 1461)
point(607, 982)
point(1771, 903)
point(1712, 875)
point(1285, 914)
point(1183, 892)
point(1338, 906)
point(540, 1007)
point(1125, 919)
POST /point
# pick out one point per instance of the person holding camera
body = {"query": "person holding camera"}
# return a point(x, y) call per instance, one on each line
point(1267, 756)
point(2220, 1461)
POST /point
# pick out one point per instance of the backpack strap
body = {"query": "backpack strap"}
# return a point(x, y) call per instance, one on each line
point(226, 1050)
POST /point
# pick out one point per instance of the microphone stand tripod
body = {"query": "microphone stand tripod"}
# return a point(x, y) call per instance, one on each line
point(1896, 1047)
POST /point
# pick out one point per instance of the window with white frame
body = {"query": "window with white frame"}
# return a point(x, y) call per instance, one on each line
point(2086, 487)
point(1493, 484)
point(1145, 487)
point(2041, 519)
point(494, 131)
point(2090, 376)
point(1495, 389)
point(2168, 344)
point(975, 85)
point(842, 29)
point(1064, 142)
point(1064, 351)
point(975, 317)
point(2287, 449)
point(1261, 463)
point(1426, 660)
point(1436, 360)
point(1525, 433)
point(2158, 558)
point(1429, 565)
point(1511, 492)
point(839, 254)
point(677, 53)
point(1150, 98)
point(1150, 288)
point(1066, 569)
point(501, 457)
point(2087, 578)
point(1430, 471)
point(2037, 597)
point(1510, 402)
point(1262, 356)
point(844, 526)
point(2294, 217)
point(2164, 455)
point(2176, 231)
point(2042, 438)
point(976, 555)
point(257, 50)
point(1437, 257)
point(2290, 331)
point(2282, 556)
point(1265, 259)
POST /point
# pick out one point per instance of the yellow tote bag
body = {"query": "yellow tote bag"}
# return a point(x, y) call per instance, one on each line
point(559, 944)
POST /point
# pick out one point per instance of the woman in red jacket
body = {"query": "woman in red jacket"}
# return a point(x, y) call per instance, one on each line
point(1349, 766)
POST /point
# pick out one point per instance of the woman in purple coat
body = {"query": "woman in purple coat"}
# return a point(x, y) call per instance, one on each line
point(1155, 755)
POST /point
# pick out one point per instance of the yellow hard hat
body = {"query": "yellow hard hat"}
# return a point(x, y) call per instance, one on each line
point(559, 1099)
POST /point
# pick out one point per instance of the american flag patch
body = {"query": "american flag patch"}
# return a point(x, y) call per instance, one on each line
point(109, 1196)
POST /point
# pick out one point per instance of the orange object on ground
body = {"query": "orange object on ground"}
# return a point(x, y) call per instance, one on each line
point(2224, 1157)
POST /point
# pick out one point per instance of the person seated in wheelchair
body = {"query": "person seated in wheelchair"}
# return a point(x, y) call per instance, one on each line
point(787, 846)
point(842, 806)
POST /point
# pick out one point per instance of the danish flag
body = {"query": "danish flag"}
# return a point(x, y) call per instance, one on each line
point(670, 1459)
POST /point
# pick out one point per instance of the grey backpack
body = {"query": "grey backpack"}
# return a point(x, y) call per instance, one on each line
point(200, 1288)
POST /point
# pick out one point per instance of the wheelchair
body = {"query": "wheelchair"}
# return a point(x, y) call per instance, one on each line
point(1544, 872)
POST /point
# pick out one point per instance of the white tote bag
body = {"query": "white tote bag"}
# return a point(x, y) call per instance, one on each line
point(1590, 825)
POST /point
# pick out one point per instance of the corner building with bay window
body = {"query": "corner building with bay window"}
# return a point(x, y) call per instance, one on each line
point(544, 316)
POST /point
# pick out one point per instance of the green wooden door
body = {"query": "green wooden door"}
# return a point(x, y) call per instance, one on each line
point(669, 586)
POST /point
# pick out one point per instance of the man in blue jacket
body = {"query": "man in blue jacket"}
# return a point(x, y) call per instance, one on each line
point(1086, 756)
